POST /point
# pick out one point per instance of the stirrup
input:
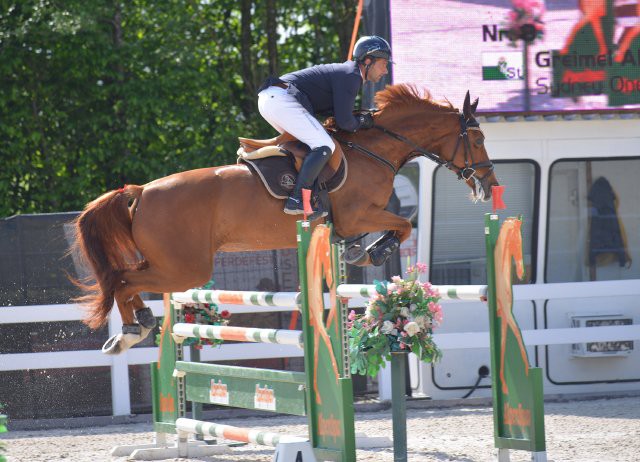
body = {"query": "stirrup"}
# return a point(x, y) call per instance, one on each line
point(293, 206)
point(298, 209)
point(317, 214)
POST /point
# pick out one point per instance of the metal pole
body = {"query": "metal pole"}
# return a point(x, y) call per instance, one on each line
point(196, 408)
point(399, 406)
point(525, 65)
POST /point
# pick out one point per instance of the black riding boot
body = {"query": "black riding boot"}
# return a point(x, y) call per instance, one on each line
point(313, 163)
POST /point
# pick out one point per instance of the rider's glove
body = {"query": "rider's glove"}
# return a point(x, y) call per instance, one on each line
point(365, 119)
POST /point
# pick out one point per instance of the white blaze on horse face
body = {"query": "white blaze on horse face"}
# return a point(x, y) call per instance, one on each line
point(479, 190)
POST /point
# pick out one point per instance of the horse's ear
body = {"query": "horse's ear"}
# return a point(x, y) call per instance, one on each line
point(466, 109)
point(474, 106)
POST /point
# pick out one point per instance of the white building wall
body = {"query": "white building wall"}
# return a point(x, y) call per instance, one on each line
point(543, 142)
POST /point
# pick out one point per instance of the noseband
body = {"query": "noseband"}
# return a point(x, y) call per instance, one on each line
point(466, 173)
point(469, 170)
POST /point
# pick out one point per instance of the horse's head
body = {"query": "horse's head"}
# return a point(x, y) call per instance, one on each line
point(439, 132)
point(471, 161)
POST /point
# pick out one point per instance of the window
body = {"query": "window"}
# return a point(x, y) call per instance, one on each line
point(594, 220)
point(403, 202)
point(458, 253)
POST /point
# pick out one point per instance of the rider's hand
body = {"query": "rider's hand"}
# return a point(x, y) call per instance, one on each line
point(365, 119)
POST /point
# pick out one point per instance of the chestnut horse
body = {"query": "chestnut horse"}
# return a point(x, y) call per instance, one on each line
point(162, 237)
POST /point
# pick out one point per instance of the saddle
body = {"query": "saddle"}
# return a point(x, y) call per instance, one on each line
point(277, 161)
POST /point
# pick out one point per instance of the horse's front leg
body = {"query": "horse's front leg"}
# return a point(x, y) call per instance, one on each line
point(397, 230)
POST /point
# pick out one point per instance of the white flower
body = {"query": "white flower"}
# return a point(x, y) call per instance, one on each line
point(404, 311)
point(411, 328)
point(413, 307)
point(387, 327)
point(422, 321)
point(369, 312)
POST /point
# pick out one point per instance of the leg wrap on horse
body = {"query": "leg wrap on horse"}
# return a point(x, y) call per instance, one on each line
point(382, 249)
point(135, 329)
point(145, 317)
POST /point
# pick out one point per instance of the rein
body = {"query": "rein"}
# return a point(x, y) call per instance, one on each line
point(373, 155)
point(465, 173)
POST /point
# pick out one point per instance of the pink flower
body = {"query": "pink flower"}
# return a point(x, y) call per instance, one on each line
point(421, 268)
point(429, 290)
point(402, 345)
point(352, 315)
point(396, 279)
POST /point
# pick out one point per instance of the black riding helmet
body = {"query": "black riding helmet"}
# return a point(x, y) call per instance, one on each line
point(372, 46)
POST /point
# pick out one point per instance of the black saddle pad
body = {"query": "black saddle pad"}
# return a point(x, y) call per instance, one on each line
point(278, 174)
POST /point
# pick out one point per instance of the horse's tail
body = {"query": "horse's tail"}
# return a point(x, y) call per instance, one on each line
point(104, 241)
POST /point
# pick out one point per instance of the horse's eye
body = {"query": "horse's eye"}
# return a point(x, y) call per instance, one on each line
point(479, 141)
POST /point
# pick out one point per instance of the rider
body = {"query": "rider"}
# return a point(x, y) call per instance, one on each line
point(290, 103)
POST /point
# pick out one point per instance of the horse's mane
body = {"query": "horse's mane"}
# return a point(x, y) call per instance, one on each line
point(409, 96)
point(403, 96)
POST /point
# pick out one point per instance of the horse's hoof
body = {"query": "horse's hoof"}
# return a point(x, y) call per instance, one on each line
point(145, 317)
point(113, 346)
point(132, 334)
point(382, 249)
point(355, 255)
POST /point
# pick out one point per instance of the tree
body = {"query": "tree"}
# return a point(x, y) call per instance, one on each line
point(97, 94)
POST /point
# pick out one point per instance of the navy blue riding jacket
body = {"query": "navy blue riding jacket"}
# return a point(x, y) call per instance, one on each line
point(328, 89)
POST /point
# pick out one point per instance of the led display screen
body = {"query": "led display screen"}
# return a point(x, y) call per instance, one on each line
point(571, 55)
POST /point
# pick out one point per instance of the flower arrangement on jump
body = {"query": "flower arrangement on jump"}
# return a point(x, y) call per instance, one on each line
point(206, 314)
point(524, 21)
point(400, 317)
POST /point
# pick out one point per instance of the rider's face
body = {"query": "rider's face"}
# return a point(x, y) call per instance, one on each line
point(378, 70)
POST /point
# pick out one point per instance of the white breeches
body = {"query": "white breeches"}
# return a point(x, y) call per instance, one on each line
point(286, 114)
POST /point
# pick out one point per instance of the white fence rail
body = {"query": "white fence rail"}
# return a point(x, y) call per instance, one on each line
point(137, 356)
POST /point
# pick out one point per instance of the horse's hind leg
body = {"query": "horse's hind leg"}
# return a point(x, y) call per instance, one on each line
point(132, 307)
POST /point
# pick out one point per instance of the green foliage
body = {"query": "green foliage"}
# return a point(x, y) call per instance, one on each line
point(3, 429)
point(99, 94)
point(399, 318)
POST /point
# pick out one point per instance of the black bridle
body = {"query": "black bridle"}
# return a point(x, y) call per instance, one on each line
point(466, 173)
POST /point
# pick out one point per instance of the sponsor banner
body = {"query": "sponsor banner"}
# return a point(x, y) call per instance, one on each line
point(502, 66)
point(587, 58)
point(218, 393)
point(265, 398)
